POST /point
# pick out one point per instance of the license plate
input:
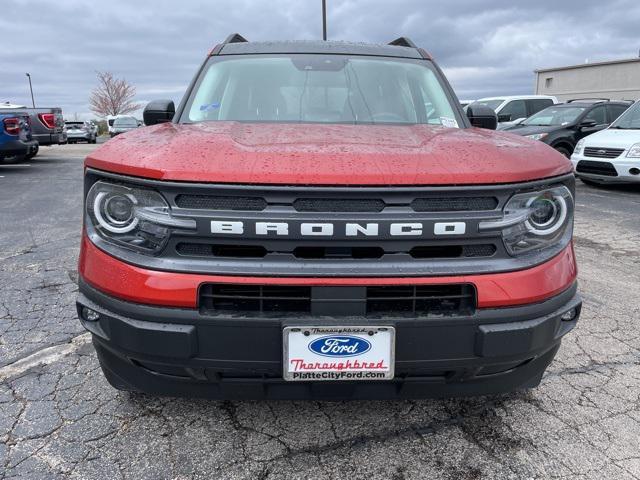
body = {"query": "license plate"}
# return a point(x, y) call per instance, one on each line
point(338, 353)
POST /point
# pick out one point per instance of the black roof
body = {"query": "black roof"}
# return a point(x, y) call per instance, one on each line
point(326, 47)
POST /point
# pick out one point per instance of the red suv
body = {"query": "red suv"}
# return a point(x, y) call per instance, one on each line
point(320, 220)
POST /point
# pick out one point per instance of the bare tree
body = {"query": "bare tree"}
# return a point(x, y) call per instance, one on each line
point(112, 96)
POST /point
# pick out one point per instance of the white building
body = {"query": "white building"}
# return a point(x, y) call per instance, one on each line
point(616, 80)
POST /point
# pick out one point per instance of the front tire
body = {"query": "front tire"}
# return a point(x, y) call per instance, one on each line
point(564, 151)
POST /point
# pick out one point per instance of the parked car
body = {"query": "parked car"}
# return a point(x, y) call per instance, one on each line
point(80, 132)
point(613, 154)
point(562, 126)
point(110, 119)
point(47, 124)
point(513, 109)
point(123, 124)
point(322, 220)
point(16, 140)
point(464, 103)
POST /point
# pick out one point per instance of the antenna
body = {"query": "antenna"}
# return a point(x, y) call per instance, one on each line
point(324, 20)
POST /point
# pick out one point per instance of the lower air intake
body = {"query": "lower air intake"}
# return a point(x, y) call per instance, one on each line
point(357, 301)
point(422, 300)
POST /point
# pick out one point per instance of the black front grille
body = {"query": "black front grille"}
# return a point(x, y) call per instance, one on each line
point(338, 252)
point(321, 252)
point(454, 204)
point(453, 251)
point(596, 168)
point(211, 202)
point(372, 301)
point(221, 250)
point(338, 205)
point(597, 152)
point(330, 231)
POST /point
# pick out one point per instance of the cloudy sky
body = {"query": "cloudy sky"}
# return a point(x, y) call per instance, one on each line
point(486, 47)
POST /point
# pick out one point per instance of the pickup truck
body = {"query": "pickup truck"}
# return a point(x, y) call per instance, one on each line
point(47, 124)
point(16, 142)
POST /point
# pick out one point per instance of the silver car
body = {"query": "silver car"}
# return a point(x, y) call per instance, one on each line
point(122, 125)
point(80, 132)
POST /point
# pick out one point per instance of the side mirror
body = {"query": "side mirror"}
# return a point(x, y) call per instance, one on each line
point(158, 111)
point(504, 117)
point(482, 116)
point(587, 124)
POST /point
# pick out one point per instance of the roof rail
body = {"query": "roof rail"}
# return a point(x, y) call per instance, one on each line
point(235, 38)
point(403, 42)
point(594, 100)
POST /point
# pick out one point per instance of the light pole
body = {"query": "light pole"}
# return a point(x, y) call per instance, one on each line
point(324, 19)
point(33, 102)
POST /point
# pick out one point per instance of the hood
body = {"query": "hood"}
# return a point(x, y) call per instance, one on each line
point(613, 138)
point(523, 130)
point(317, 154)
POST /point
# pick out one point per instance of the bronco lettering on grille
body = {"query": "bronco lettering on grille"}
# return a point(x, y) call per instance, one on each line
point(327, 229)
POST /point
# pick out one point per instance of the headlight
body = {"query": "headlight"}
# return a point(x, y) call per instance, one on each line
point(132, 217)
point(535, 221)
point(537, 136)
point(634, 151)
point(579, 147)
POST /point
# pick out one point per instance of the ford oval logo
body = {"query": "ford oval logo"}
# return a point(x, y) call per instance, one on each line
point(339, 346)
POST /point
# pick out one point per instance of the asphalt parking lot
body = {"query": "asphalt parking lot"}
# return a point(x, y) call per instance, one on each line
point(60, 419)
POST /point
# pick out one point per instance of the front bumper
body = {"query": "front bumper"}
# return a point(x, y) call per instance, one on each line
point(627, 170)
point(75, 138)
point(181, 352)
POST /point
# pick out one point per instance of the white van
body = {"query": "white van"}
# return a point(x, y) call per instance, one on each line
point(611, 155)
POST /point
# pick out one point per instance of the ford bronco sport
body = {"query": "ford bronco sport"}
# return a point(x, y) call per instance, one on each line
point(320, 220)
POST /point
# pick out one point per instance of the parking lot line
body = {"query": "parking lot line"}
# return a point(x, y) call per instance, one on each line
point(16, 165)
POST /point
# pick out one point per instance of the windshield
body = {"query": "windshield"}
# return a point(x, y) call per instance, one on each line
point(554, 116)
point(492, 104)
point(74, 126)
point(125, 122)
point(629, 120)
point(320, 89)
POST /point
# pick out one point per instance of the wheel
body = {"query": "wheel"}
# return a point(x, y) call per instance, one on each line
point(34, 153)
point(564, 151)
